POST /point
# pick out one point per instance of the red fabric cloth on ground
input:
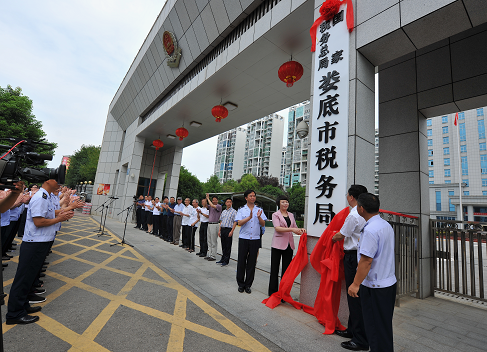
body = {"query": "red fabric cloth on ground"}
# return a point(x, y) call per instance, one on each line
point(326, 258)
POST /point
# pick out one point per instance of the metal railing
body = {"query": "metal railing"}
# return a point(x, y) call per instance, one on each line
point(406, 231)
point(459, 257)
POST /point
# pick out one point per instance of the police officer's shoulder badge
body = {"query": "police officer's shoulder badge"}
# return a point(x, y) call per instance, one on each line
point(44, 195)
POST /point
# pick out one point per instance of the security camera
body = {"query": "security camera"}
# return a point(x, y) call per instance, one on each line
point(302, 129)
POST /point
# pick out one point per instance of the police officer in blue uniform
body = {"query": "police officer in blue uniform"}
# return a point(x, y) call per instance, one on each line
point(40, 231)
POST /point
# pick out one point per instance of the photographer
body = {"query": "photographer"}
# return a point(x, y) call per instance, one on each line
point(40, 230)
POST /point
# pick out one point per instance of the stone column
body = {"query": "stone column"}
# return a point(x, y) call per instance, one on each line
point(170, 164)
point(361, 148)
point(470, 212)
point(403, 167)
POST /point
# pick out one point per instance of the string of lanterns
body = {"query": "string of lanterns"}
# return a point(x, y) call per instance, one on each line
point(289, 72)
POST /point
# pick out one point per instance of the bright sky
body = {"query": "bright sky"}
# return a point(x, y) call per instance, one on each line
point(70, 57)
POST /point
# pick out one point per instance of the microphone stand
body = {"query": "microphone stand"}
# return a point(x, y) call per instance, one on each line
point(103, 233)
point(128, 210)
point(102, 209)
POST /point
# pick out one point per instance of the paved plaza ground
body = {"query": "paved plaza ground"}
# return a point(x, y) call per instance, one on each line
point(158, 297)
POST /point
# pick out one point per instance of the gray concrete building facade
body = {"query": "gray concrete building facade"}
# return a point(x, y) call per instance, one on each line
point(296, 164)
point(229, 156)
point(430, 58)
point(263, 146)
point(447, 168)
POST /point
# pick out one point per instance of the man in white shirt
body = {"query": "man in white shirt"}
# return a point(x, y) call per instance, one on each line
point(194, 220)
point(375, 277)
point(204, 214)
point(250, 217)
point(186, 223)
point(177, 221)
point(156, 214)
point(350, 235)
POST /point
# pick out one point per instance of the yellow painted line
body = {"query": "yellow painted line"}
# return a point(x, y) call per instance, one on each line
point(82, 343)
point(85, 342)
point(101, 320)
point(176, 337)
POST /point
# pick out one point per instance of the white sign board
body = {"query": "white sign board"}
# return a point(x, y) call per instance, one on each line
point(327, 153)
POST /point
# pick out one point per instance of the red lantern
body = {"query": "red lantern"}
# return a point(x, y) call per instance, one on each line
point(158, 144)
point(182, 133)
point(219, 112)
point(290, 72)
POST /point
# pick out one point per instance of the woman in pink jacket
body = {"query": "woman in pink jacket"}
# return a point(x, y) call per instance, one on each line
point(282, 242)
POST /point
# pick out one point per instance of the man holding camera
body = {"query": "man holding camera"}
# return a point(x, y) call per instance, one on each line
point(40, 230)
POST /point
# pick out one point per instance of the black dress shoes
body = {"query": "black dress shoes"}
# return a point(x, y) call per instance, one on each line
point(24, 320)
point(343, 333)
point(350, 345)
point(4, 265)
point(33, 309)
point(240, 289)
point(248, 290)
point(202, 255)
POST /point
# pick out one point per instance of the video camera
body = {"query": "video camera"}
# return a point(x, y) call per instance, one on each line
point(13, 164)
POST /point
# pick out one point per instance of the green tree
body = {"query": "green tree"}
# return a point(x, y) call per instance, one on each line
point(296, 195)
point(83, 165)
point(268, 181)
point(271, 190)
point(189, 186)
point(18, 121)
point(247, 181)
point(212, 185)
point(229, 186)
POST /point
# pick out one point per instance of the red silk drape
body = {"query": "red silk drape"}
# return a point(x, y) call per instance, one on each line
point(326, 258)
point(324, 17)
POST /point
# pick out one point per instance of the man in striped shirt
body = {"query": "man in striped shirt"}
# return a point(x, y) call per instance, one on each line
point(225, 231)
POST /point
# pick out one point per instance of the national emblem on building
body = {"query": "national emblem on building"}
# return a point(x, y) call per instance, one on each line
point(172, 49)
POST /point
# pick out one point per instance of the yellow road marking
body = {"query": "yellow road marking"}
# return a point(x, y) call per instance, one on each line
point(85, 342)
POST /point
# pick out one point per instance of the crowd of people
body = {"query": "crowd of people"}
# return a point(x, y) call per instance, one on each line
point(34, 214)
point(368, 243)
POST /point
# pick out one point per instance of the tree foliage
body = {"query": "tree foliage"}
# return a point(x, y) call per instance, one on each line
point(229, 186)
point(83, 165)
point(268, 181)
point(271, 190)
point(18, 121)
point(247, 181)
point(212, 185)
point(296, 195)
point(189, 186)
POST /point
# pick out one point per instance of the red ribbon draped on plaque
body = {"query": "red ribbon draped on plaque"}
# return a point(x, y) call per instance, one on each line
point(329, 9)
point(326, 258)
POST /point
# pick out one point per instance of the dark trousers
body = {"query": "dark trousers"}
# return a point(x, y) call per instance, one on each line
point(204, 238)
point(276, 255)
point(138, 216)
point(377, 309)
point(247, 257)
point(22, 219)
point(156, 221)
point(143, 219)
point(163, 227)
point(14, 227)
point(226, 244)
point(355, 319)
point(169, 228)
point(191, 238)
point(6, 230)
point(32, 255)
point(185, 235)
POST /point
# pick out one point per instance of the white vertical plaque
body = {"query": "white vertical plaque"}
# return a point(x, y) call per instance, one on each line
point(328, 151)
